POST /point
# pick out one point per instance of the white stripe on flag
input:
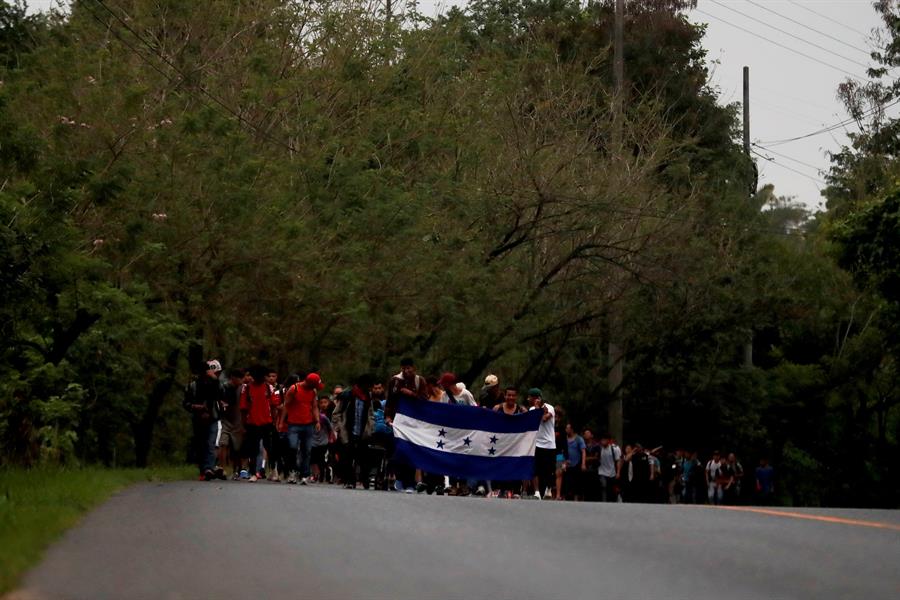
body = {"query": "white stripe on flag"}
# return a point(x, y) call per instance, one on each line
point(480, 443)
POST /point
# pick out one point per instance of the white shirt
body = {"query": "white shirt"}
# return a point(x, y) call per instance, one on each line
point(609, 456)
point(464, 397)
point(545, 436)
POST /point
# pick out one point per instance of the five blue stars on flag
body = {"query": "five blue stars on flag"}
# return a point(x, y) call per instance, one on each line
point(467, 441)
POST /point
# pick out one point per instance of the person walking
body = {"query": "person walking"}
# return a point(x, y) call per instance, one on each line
point(232, 433)
point(301, 411)
point(354, 424)
point(257, 402)
point(545, 446)
point(204, 399)
point(609, 469)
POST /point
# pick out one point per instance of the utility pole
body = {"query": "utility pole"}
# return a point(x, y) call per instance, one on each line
point(747, 110)
point(748, 345)
point(615, 409)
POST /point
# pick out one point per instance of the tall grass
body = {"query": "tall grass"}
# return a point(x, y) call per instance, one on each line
point(38, 505)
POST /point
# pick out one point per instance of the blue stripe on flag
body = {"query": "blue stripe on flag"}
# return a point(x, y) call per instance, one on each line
point(469, 417)
point(514, 468)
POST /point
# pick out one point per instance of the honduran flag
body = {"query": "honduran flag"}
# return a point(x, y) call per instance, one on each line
point(466, 441)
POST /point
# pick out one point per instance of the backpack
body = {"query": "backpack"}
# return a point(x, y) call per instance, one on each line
point(380, 425)
point(640, 467)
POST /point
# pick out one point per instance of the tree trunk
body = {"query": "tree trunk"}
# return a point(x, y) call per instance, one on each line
point(143, 431)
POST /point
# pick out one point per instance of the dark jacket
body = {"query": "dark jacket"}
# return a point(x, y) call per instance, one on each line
point(208, 392)
point(344, 415)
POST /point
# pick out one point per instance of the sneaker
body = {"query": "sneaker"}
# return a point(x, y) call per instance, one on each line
point(245, 474)
point(480, 492)
point(409, 491)
point(537, 495)
point(464, 491)
point(349, 486)
point(421, 487)
point(292, 478)
point(304, 480)
point(235, 476)
point(516, 497)
point(220, 473)
point(208, 475)
point(548, 495)
point(398, 486)
point(441, 490)
point(253, 478)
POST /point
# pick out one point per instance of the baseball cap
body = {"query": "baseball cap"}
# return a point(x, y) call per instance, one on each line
point(447, 379)
point(315, 381)
point(535, 392)
point(491, 380)
point(214, 365)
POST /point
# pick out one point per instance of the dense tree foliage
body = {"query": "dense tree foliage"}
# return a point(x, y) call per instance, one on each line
point(328, 185)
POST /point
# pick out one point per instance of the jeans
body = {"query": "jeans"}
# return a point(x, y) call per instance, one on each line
point(716, 493)
point(608, 489)
point(252, 437)
point(300, 438)
point(206, 439)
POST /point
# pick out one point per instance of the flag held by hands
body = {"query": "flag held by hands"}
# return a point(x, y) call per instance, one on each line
point(466, 441)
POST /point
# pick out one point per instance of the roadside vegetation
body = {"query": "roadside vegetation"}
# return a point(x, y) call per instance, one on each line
point(38, 505)
point(323, 185)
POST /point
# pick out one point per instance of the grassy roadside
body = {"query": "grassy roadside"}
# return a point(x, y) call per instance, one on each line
point(37, 505)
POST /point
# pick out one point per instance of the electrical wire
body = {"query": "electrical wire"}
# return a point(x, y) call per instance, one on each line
point(771, 160)
point(789, 34)
point(791, 158)
point(832, 127)
point(827, 18)
point(773, 42)
point(805, 26)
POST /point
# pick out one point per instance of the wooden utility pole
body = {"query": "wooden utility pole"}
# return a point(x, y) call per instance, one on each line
point(747, 110)
point(615, 410)
point(748, 346)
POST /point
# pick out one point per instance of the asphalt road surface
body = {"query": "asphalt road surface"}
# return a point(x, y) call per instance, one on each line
point(240, 540)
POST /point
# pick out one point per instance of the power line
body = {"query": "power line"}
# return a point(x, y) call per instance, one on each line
point(231, 112)
point(789, 34)
point(785, 156)
point(771, 41)
point(827, 18)
point(771, 160)
point(805, 26)
point(831, 127)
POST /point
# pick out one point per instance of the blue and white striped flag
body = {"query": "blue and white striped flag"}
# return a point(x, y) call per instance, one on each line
point(466, 441)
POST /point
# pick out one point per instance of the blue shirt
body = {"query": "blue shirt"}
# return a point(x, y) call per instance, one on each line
point(357, 422)
point(575, 446)
point(764, 476)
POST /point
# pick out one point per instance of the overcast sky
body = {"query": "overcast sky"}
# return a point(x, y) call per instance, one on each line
point(790, 95)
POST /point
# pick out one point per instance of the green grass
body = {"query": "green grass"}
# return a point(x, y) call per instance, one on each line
point(38, 505)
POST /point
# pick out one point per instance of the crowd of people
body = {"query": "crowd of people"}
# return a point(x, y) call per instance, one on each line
point(247, 422)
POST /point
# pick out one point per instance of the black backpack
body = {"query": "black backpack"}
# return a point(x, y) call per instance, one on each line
point(640, 467)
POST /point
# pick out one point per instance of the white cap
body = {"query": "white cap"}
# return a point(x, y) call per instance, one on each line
point(214, 365)
point(491, 380)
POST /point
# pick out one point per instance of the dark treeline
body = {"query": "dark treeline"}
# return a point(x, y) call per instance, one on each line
point(322, 185)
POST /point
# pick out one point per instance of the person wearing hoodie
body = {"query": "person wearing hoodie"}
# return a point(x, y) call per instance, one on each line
point(354, 423)
point(204, 398)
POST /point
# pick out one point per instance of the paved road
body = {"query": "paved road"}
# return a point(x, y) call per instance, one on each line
point(241, 540)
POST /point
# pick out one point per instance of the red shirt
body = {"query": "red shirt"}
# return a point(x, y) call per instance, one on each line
point(281, 425)
point(258, 399)
point(301, 401)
